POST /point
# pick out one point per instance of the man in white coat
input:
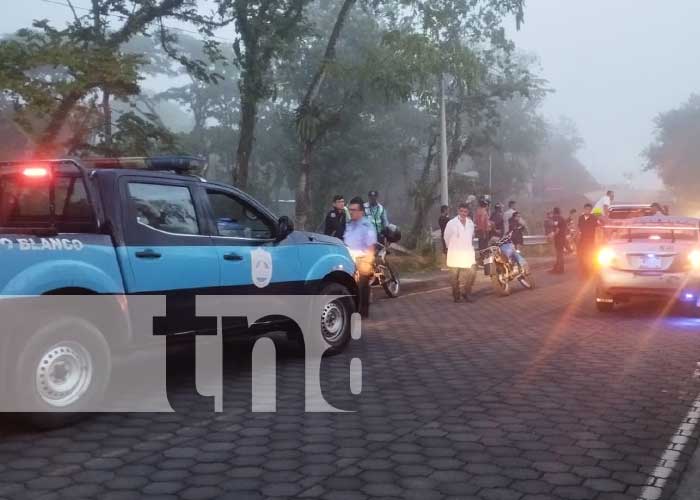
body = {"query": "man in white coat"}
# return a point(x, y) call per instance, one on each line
point(461, 258)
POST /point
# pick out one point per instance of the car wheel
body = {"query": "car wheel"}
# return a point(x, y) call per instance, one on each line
point(691, 309)
point(336, 317)
point(61, 373)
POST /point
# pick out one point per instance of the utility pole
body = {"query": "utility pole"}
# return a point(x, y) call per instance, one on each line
point(490, 176)
point(444, 196)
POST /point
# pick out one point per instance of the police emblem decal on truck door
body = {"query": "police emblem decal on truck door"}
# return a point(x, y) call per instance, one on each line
point(261, 267)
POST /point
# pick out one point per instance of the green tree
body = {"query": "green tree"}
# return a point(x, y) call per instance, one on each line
point(675, 152)
point(266, 29)
point(53, 74)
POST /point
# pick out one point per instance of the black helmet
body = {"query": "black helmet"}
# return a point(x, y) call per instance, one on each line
point(392, 233)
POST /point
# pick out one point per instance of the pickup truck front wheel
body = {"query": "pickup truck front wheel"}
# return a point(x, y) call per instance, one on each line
point(61, 372)
point(336, 317)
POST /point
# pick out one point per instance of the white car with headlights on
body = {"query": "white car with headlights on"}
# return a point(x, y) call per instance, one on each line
point(654, 256)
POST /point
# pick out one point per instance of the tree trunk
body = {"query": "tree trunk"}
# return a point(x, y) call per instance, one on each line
point(249, 112)
point(303, 194)
point(424, 196)
point(46, 145)
point(107, 121)
point(302, 209)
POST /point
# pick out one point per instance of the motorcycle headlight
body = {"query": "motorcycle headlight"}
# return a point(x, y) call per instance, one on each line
point(606, 256)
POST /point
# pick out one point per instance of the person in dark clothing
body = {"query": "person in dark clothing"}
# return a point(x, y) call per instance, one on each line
point(336, 218)
point(517, 230)
point(559, 237)
point(587, 226)
point(498, 221)
point(442, 222)
point(548, 227)
point(482, 223)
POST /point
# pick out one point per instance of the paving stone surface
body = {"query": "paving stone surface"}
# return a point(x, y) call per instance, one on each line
point(530, 397)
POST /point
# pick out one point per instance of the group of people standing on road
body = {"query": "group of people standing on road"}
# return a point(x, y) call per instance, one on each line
point(580, 233)
point(459, 232)
point(361, 226)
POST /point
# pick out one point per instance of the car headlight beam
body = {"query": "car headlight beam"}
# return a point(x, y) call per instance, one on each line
point(606, 256)
point(694, 258)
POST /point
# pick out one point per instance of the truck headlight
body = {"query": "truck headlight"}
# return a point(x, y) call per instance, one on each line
point(606, 256)
point(694, 258)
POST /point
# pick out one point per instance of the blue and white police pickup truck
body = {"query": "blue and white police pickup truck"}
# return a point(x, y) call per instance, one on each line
point(121, 227)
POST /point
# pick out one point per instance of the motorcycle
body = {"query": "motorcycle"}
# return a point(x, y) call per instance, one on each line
point(384, 275)
point(504, 265)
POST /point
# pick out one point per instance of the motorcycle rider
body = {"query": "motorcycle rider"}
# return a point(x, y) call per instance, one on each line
point(498, 221)
point(513, 240)
point(361, 238)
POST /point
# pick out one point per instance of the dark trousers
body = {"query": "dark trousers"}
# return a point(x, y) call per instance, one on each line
point(483, 243)
point(462, 281)
point(363, 291)
point(586, 256)
point(559, 247)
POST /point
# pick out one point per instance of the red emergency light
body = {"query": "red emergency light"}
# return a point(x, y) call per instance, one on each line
point(35, 172)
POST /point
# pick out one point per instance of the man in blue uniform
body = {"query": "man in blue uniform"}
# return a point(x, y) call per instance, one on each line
point(361, 238)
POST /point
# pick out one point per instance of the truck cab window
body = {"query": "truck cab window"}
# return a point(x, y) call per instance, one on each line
point(163, 207)
point(235, 219)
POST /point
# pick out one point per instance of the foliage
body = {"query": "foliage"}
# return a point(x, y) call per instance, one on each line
point(53, 74)
point(675, 152)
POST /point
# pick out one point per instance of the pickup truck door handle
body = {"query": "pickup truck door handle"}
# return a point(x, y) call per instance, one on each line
point(147, 254)
point(232, 256)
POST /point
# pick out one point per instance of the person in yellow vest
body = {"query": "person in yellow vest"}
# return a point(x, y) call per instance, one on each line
point(601, 207)
point(376, 213)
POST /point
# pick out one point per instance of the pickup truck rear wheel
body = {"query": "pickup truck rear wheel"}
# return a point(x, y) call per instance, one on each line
point(61, 372)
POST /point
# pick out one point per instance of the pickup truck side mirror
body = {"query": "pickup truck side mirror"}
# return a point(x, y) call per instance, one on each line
point(285, 226)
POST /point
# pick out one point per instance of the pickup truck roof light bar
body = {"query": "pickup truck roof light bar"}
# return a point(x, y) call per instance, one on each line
point(179, 164)
point(175, 163)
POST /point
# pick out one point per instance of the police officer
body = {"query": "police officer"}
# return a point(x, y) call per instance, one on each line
point(336, 218)
point(560, 230)
point(361, 238)
point(376, 213)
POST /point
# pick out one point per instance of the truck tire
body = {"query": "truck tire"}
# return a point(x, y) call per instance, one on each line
point(62, 372)
point(336, 317)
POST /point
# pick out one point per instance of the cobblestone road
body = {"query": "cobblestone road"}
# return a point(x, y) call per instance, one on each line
point(531, 397)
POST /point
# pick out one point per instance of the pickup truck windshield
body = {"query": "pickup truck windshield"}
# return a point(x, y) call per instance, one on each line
point(27, 195)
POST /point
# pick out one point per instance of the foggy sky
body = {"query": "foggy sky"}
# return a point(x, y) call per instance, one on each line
point(614, 65)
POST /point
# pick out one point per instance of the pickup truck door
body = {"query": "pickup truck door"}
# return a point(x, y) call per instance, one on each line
point(251, 260)
point(167, 247)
